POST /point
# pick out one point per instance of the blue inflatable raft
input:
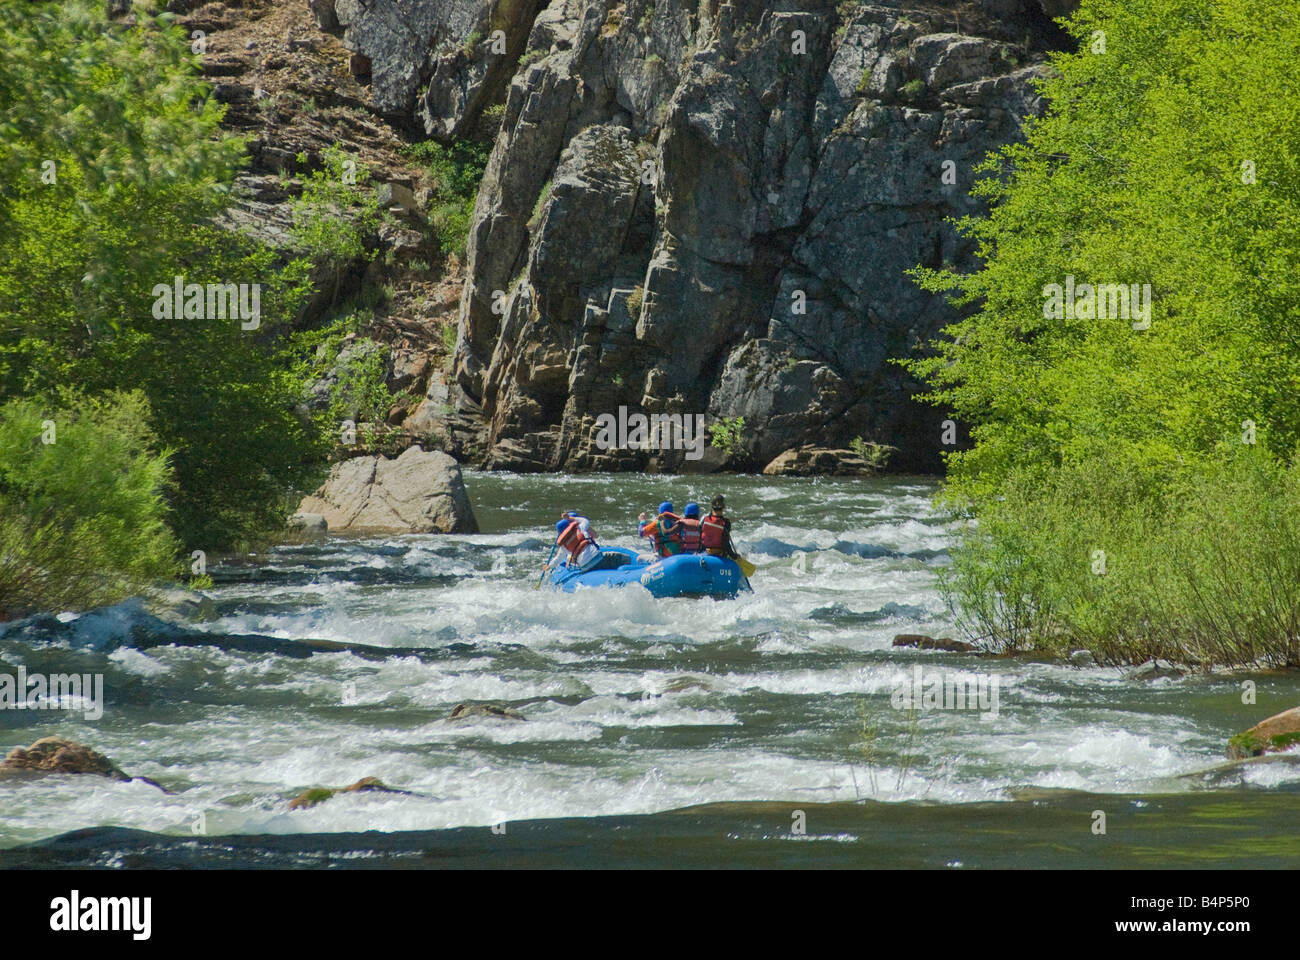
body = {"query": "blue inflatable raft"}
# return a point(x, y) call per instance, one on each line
point(685, 575)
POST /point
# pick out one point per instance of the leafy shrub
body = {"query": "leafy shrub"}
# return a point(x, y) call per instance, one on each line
point(542, 196)
point(82, 519)
point(727, 434)
point(1098, 433)
point(361, 392)
point(454, 172)
point(1201, 567)
point(334, 218)
point(143, 171)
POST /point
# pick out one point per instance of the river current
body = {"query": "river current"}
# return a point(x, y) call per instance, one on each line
point(632, 705)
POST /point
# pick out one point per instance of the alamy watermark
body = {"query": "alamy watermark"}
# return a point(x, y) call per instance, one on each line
point(212, 301)
point(924, 691)
point(55, 691)
point(1102, 301)
point(75, 913)
point(659, 431)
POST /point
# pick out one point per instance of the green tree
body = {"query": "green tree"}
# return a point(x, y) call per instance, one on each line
point(1136, 175)
point(1167, 158)
point(142, 171)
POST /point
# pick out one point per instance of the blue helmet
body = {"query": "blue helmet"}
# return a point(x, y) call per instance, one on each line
point(560, 525)
point(692, 510)
point(666, 507)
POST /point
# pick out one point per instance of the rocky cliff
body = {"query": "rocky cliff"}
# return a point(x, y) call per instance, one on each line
point(704, 207)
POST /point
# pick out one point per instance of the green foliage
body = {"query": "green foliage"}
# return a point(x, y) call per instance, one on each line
point(454, 172)
point(874, 453)
point(1200, 568)
point(727, 434)
point(1135, 175)
point(359, 391)
point(449, 334)
point(80, 258)
point(121, 105)
point(531, 56)
point(362, 393)
point(82, 518)
point(338, 211)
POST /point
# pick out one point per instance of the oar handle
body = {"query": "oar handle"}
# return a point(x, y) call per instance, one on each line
point(546, 566)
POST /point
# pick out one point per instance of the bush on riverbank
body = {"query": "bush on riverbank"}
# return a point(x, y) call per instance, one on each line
point(1202, 568)
point(1157, 432)
point(82, 513)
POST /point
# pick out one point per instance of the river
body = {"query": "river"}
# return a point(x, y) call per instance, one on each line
point(782, 699)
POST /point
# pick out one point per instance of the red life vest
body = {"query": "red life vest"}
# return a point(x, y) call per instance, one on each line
point(572, 538)
point(713, 533)
point(690, 535)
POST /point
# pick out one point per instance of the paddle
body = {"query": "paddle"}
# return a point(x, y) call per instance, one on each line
point(746, 567)
point(546, 566)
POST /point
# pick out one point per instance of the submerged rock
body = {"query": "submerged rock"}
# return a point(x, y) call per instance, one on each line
point(1276, 734)
point(180, 606)
point(463, 711)
point(309, 798)
point(922, 642)
point(419, 492)
point(1155, 670)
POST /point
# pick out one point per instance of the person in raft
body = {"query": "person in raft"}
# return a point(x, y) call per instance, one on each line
point(573, 533)
point(715, 531)
point(664, 531)
point(690, 527)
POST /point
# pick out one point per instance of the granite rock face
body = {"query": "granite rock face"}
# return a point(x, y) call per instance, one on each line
point(706, 207)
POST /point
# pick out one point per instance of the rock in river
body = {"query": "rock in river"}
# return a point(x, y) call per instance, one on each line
point(57, 755)
point(419, 492)
point(463, 711)
point(1274, 735)
point(309, 798)
point(922, 642)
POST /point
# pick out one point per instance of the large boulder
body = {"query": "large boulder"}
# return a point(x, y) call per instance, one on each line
point(419, 492)
point(1274, 735)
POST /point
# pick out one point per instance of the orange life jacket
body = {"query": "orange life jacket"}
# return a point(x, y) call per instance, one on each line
point(690, 535)
point(572, 538)
point(713, 533)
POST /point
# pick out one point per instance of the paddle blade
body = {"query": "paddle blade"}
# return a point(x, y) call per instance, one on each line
point(746, 567)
